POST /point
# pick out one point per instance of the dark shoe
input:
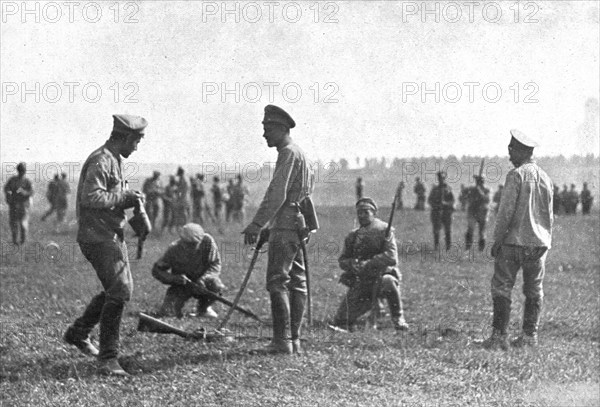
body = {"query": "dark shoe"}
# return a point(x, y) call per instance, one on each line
point(84, 345)
point(400, 324)
point(496, 341)
point(525, 340)
point(111, 367)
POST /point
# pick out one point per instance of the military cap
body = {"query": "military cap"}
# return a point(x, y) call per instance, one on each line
point(21, 167)
point(128, 124)
point(442, 174)
point(366, 203)
point(192, 233)
point(522, 140)
point(274, 114)
point(156, 173)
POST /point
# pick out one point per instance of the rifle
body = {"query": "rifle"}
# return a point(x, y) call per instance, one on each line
point(263, 238)
point(203, 291)
point(155, 325)
point(377, 285)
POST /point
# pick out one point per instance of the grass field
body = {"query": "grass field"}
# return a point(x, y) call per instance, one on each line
point(446, 300)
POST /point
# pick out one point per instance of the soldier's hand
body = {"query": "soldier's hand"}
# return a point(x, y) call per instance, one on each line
point(496, 249)
point(131, 198)
point(183, 279)
point(251, 233)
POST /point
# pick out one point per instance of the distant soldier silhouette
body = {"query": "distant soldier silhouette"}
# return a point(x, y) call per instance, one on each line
point(498, 197)
point(169, 198)
point(586, 199)
point(462, 197)
point(51, 197)
point(62, 190)
point(399, 192)
point(198, 198)
point(238, 198)
point(420, 190)
point(18, 192)
point(573, 198)
point(228, 200)
point(556, 200)
point(217, 192)
point(441, 200)
point(360, 187)
point(153, 190)
point(477, 211)
point(564, 199)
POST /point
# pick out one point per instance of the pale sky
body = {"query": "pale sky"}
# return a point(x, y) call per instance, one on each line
point(176, 60)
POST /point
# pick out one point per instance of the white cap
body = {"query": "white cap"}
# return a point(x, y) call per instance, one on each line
point(524, 139)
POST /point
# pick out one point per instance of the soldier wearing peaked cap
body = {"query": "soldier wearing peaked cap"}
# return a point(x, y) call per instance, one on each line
point(102, 198)
point(522, 237)
point(441, 200)
point(367, 254)
point(291, 185)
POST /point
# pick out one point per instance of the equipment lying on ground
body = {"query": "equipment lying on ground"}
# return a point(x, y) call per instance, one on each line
point(154, 325)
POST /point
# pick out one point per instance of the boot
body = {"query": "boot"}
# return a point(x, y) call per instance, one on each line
point(111, 367)
point(481, 245)
point(531, 318)
point(297, 306)
point(468, 240)
point(110, 324)
point(499, 338)
point(280, 312)
point(396, 313)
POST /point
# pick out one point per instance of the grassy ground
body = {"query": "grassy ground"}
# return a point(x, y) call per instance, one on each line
point(446, 301)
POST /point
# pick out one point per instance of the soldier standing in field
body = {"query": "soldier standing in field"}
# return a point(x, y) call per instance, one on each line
point(62, 202)
point(420, 191)
point(359, 187)
point(399, 192)
point(368, 254)
point(498, 198)
point(441, 201)
point(51, 196)
point(556, 200)
point(229, 201)
point(102, 199)
point(573, 199)
point(18, 192)
point(239, 194)
point(478, 200)
point(169, 202)
point(194, 258)
point(198, 196)
point(462, 197)
point(586, 199)
point(291, 185)
point(217, 193)
point(153, 190)
point(522, 238)
point(564, 199)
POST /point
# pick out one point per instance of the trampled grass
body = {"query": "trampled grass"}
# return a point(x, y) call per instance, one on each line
point(446, 300)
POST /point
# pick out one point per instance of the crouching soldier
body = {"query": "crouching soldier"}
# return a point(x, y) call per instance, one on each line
point(368, 253)
point(190, 264)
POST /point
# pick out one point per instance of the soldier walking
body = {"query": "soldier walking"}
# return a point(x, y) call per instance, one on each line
point(193, 258)
point(478, 199)
point(368, 254)
point(522, 238)
point(102, 199)
point(291, 185)
point(441, 201)
point(51, 197)
point(18, 192)
point(586, 199)
point(420, 191)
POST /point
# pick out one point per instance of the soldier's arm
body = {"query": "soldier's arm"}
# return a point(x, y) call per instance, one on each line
point(95, 192)
point(508, 205)
point(213, 266)
point(277, 192)
point(161, 269)
point(388, 256)
point(345, 260)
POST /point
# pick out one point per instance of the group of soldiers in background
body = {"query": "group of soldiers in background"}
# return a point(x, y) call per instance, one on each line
point(566, 201)
point(175, 198)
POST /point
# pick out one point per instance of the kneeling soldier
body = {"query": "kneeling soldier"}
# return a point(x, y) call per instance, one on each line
point(368, 254)
point(194, 258)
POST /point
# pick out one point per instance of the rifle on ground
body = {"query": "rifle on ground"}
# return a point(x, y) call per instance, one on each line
point(377, 285)
point(203, 291)
point(155, 325)
point(263, 238)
